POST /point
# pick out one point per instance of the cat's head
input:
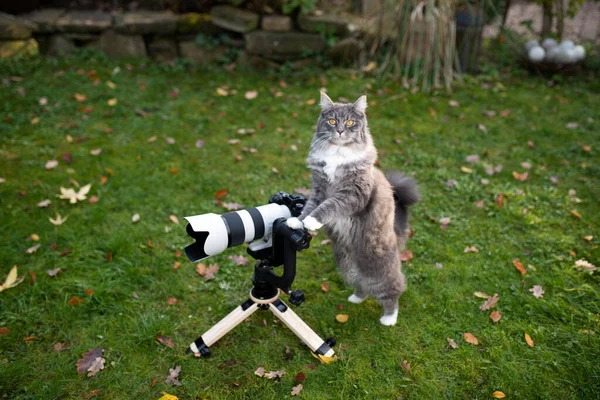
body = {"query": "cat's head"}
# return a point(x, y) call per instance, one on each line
point(342, 124)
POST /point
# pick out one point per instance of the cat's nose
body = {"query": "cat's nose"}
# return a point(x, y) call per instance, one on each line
point(340, 132)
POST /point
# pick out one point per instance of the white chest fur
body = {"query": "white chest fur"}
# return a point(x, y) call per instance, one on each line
point(334, 156)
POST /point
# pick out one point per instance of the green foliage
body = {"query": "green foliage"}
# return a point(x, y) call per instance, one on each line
point(304, 6)
point(420, 134)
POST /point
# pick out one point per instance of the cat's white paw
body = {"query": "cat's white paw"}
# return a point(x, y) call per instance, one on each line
point(294, 223)
point(355, 299)
point(389, 320)
point(312, 224)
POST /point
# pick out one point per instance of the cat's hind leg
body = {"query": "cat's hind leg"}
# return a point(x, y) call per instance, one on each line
point(357, 297)
point(390, 310)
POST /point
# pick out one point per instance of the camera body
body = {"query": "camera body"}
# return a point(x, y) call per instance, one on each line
point(214, 233)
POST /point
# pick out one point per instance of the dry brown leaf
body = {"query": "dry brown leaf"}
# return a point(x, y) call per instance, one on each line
point(296, 390)
point(74, 301)
point(341, 318)
point(481, 295)
point(495, 316)
point(33, 249)
point(174, 219)
point(490, 303)
point(300, 377)
point(520, 177)
point(575, 213)
point(452, 343)
point(54, 272)
point(61, 346)
point(80, 97)
point(4, 331)
point(537, 291)
point(239, 260)
point(498, 395)
point(260, 371)
point(173, 375)
point(232, 206)
point(220, 194)
point(51, 164)
point(92, 362)
point(529, 340)
point(469, 338)
point(500, 200)
point(471, 249)
point(171, 301)
point(519, 267)
point(325, 287)
point(466, 169)
point(405, 366)
point(406, 255)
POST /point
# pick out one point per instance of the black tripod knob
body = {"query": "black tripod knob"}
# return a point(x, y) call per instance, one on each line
point(296, 297)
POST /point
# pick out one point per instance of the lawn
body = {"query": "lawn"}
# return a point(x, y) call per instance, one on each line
point(155, 141)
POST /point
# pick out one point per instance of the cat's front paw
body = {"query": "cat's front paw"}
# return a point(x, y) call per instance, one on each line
point(294, 223)
point(389, 320)
point(312, 224)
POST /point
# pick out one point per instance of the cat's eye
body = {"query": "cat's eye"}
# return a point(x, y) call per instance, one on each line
point(332, 122)
point(349, 122)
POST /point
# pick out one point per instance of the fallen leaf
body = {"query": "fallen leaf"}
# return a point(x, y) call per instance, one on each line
point(490, 302)
point(92, 362)
point(296, 390)
point(505, 113)
point(498, 395)
point(572, 125)
point(239, 260)
point(220, 194)
point(80, 97)
point(44, 203)
point(406, 255)
point(588, 238)
point(325, 287)
point(167, 396)
point(471, 249)
point(537, 291)
point(173, 375)
point(482, 128)
point(481, 295)
point(453, 103)
point(12, 279)
point(473, 158)
point(529, 340)
point(341, 318)
point(466, 170)
point(74, 197)
point(172, 301)
point(51, 164)
point(520, 177)
point(95, 152)
point(135, 217)
point(444, 222)
point(91, 394)
point(199, 144)
point(586, 265)
point(61, 346)
point(222, 92)
point(452, 343)
point(519, 266)
point(405, 366)
point(451, 183)
point(260, 371)
point(174, 219)
point(75, 301)
point(439, 265)
point(500, 200)
point(207, 272)
point(33, 249)
point(112, 102)
point(43, 101)
point(169, 140)
point(35, 121)
point(4, 331)
point(469, 338)
point(176, 265)
point(586, 148)
point(93, 199)
point(232, 206)
point(300, 377)
point(575, 213)
point(480, 204)
point(54, 272)
point(495, 316)
point(274, 374)
point(251, 94)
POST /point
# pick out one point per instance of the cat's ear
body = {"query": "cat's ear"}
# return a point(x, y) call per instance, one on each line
point(360, 105)
point(325, 101)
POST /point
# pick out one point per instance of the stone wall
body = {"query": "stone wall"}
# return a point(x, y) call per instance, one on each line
point(266, 40)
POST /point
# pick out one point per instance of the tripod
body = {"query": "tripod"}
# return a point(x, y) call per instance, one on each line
point(266, 290)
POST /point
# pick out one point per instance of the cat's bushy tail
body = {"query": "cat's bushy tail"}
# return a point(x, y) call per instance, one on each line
point(406, 193)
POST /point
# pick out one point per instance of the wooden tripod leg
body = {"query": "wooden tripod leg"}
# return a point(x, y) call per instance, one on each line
point(300, 328)
point(225, 325)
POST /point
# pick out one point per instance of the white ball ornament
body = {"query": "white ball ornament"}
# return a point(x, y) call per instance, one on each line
point(579, 53)
point(531, 44)
point(549, 43)
point(567, 44)
point(536, 54)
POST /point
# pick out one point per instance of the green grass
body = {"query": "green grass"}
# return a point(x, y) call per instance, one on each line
point(417, 133)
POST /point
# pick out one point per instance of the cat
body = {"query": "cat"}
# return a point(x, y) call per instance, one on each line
point(363, 211)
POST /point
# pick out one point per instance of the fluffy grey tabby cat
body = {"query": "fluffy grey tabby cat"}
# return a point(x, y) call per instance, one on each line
point(364, 212)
